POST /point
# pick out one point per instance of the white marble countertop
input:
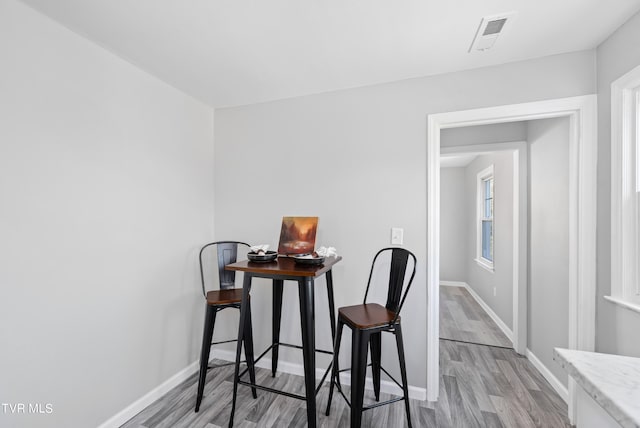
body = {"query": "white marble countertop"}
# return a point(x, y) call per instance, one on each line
point(613, 381)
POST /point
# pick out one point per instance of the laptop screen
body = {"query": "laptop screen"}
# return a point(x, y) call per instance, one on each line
point(297, 235)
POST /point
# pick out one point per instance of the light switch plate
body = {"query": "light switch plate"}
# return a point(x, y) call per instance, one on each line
point(397, 235)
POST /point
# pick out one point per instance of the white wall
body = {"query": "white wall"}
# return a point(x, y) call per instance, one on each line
point(484, 134)
point(106, 183)
point(548, 293)
point(480, 279)
point(617, 328)
point(453, 228)
point(357, 159)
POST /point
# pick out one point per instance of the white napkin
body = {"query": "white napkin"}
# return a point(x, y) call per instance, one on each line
point(326, 252)
point(305, 256)
point(260, 248)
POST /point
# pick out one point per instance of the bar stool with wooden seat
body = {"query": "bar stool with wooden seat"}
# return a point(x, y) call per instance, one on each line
point(367, 322)
point(227, 296)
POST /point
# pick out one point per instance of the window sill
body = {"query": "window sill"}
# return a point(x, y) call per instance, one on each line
point(485, 265)
point(624, 303)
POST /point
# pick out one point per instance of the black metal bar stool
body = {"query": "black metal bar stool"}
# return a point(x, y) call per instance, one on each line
point(367, 322)
point(227, 296)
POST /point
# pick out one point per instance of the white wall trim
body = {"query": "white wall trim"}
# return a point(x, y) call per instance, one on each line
point(624, 303)
point(453, 284)
point(520, 247)
point(582, 113)
point(505, 328)
point(484, 263)
point(624, 186)
point(562, 390)
point(434, 125)
point(486, 173)
point(298, 370)
point(146, 400)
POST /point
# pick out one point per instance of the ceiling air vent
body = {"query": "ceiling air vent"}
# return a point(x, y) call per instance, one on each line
point(489, 30)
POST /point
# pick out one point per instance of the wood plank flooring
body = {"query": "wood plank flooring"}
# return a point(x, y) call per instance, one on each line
point(480, 386)
point(463, 319)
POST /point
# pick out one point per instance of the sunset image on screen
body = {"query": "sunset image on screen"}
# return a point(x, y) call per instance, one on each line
point(298, 235)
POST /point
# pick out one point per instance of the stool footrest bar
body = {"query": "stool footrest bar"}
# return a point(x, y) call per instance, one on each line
point(224, 341)
point(383, 403)
point(222, 365)
point(275, 391)
point(289, 345)
point(323, 378)
point(391, 377)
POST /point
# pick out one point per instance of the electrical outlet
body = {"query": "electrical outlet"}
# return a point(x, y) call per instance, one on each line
point(397, 235)
point(495, 291)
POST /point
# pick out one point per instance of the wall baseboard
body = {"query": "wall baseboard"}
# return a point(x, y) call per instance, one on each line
point(453, 284)
point(562, 390)
point(147, 399)
point(501, 325)
point(143, 402)
point(388, 387)
point(415, 392)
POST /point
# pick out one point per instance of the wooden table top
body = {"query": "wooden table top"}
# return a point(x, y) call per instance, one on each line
point(284, 266)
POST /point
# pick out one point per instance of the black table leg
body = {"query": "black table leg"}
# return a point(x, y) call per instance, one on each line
point(375, 344)
point(335, 370)
point(332, 306)
point(246, 287)
point(307, 320)
point(248, 349)
point(275, 327)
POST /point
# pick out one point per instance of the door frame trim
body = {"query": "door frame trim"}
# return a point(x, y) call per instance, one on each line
point(582, 114)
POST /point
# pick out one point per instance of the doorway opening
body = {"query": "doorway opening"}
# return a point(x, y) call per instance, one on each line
point(482, 207)
point(581, 112)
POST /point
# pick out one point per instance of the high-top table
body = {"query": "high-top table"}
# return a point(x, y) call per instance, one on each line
point(280, 270)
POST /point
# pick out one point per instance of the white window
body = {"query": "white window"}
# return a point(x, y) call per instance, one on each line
point(625, 190)
point(485, 225)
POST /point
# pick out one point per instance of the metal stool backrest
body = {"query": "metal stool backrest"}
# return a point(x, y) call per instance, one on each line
point(227, 253)
point(397, 275)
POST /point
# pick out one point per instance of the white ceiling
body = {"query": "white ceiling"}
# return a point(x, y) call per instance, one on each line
point(234, 52)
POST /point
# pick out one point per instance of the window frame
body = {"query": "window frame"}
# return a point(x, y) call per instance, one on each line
point(625, 191)
point(481, 178)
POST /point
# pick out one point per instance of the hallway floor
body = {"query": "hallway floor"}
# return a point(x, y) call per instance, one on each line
point(463, 319)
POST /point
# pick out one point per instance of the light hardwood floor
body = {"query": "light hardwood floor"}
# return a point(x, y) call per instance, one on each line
point(480, 386)
point(463, 319)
